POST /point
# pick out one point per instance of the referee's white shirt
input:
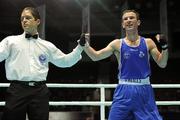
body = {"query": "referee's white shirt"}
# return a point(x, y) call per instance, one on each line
point(28, 59)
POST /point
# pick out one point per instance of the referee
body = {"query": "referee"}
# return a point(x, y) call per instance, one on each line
point(27, 58)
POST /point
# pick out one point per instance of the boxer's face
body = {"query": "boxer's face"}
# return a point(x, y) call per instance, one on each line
point(130, 21)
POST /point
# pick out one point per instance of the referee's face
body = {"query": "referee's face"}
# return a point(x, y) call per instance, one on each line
point(28, 22)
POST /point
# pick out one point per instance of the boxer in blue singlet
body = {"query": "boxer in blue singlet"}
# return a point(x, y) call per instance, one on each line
point(133, 97)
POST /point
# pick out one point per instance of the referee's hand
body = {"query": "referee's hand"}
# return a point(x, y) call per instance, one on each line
point(82, 40)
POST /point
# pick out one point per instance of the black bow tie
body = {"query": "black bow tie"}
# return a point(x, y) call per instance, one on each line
point(31, 36)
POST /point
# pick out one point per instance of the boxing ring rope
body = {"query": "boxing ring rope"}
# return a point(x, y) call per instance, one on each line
point(102, 103)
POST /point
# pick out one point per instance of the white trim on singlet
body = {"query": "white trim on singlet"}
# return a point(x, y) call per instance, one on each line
point(145, 81)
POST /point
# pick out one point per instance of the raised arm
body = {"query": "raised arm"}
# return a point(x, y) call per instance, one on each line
point(103, 53)
point(160, 58)
point(100, 54)
point(60, 59)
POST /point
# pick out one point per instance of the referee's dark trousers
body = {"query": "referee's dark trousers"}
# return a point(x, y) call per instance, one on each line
point(23, 98)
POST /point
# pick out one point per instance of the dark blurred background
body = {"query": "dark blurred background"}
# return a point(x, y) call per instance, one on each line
point(62, 23)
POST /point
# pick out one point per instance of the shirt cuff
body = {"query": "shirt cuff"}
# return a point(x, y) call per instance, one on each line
point(79, 49)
